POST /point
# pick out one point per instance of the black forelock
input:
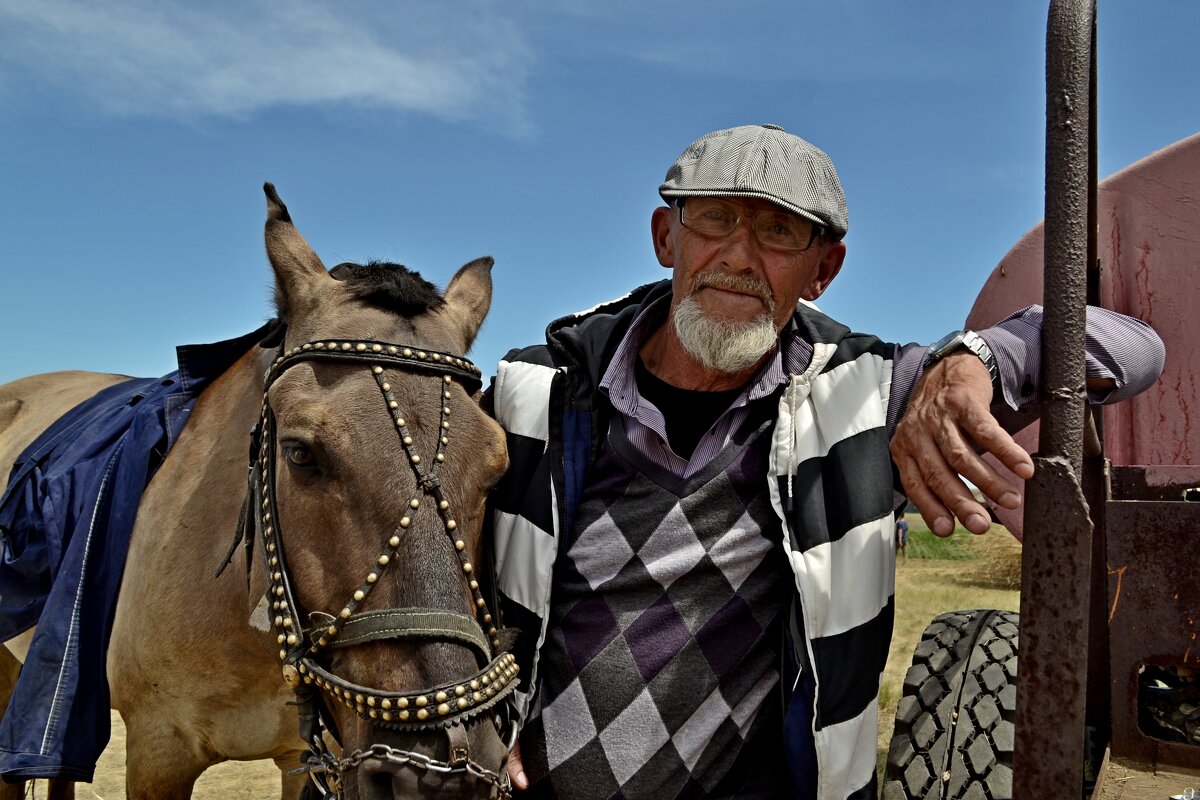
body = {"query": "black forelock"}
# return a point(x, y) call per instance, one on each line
point(390, 286)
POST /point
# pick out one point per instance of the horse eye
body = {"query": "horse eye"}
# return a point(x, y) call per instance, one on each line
point(298, 455)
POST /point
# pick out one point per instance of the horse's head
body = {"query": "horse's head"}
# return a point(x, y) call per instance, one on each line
point(375, 461)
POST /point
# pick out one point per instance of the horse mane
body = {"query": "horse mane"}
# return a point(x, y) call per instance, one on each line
point(390, 286)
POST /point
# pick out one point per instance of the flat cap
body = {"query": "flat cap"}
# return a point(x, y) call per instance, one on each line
point(761, 161)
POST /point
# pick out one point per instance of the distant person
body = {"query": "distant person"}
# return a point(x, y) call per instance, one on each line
point(902, 536)
point(696, 534)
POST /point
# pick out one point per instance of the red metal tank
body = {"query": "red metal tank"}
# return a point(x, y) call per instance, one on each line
point(1149, 249)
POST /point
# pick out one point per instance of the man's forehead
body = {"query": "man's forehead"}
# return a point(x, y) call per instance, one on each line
point(755, 203)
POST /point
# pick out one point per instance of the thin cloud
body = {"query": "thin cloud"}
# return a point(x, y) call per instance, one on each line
point(172, 59)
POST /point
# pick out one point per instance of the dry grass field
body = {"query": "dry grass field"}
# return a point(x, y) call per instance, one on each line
point(963, 571)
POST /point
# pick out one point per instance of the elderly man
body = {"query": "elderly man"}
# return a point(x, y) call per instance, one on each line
point(696, 532)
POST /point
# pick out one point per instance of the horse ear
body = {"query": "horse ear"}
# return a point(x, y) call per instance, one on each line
point(299, 273)
point(469, 296)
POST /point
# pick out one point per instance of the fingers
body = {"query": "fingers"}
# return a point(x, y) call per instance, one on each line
point(516, 768)
point(934, 457)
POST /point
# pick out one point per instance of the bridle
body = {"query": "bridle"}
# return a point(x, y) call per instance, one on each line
point(447, 707)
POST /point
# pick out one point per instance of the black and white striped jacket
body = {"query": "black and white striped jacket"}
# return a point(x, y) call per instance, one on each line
point(832, 485)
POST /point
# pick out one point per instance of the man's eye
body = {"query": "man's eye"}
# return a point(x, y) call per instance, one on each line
point(298, 455)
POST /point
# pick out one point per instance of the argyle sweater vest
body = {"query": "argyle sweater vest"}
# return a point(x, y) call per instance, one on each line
point(831, 482)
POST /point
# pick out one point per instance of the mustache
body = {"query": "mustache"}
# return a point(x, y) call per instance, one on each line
point(748, 284)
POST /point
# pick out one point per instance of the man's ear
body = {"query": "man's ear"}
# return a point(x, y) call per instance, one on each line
point(832, 256)
point(662, 223)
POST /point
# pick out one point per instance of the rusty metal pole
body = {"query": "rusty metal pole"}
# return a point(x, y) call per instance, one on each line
point(1052, 682)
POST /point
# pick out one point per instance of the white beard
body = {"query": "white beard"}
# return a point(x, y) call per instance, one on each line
point(723, 346)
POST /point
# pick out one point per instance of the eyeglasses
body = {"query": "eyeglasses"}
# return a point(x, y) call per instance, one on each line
point(776, 229)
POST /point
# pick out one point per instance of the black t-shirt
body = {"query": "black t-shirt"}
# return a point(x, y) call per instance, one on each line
point(688, 413)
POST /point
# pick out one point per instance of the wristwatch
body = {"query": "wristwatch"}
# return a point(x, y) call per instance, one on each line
point(965, 340)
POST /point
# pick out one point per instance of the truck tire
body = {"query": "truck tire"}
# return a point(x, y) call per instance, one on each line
point(953, 738)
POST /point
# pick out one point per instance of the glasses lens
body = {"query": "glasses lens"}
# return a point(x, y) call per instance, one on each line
point(778, 230)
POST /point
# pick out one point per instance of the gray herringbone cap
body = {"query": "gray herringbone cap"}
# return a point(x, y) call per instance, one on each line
point(761, 161)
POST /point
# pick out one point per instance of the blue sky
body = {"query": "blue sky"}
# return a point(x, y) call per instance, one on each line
point(135, 137)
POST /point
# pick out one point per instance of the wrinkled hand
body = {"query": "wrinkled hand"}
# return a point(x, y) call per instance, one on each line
point(516, 769)
point(934, 445)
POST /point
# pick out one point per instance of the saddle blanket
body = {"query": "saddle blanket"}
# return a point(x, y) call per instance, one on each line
point(65, 522)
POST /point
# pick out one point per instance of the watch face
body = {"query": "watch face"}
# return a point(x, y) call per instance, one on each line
point(949, 341)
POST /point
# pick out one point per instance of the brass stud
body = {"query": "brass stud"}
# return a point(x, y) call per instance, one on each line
point(479, 600)
point(405, 522)
point(474, 684)
point(279, 622)
point(443, 505)
point(487, 619)
point(421, 354)
point(307, 346)
point(373, 714)
point(416, 459)
point(443, 709)
point(440, 458)
point(407, 440)
point(360, 347)
point(468, 568)
point(474, 584)
point(403, 715)
point(319, 345)
point(359, 595)
point(346, 345)
point(421, 701)
point(402, 702)
point(459, 545)
point(270, 547)
point(446, 425)
point(393, 404)
point(445, 440)
point(394, 541)
point(447, 378)
point(279, 591)
point(477, 697)
point(446, 410)
point(282, 655)
point(370, 701)
point(372, 577)
point(437, 356)
point(441, 697)
point(292, 639)
point(280, 639)
point(451, 524)
point(459, 691)
point(358, 698)
point(385, 703)
point(414, 503)
point(332, 630)
point(422, 714)
point(462, 703)
point(392, 350)
point(322, 642)
point(387, 716)
point(407, 353)
point(377, 370)
point(387, 387)
point(496, 643)
point(399, 422)
point(383, 560)
point(344, 613)
point(376, 348)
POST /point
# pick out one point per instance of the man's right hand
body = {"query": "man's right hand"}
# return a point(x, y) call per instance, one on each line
point(516, 769)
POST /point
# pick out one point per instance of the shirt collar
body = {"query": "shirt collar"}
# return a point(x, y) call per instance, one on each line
point(791, 357)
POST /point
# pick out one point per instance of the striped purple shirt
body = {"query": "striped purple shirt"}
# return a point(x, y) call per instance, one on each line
point(1118, 347)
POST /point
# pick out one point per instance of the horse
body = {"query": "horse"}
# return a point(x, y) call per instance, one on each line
point(352, 631)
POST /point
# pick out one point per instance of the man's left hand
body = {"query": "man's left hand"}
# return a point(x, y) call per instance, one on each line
point(935, 442)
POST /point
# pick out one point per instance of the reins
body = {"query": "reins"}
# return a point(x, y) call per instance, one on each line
point(448, 706)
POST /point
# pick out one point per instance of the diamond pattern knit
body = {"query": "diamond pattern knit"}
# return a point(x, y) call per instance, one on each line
point(659, 673)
